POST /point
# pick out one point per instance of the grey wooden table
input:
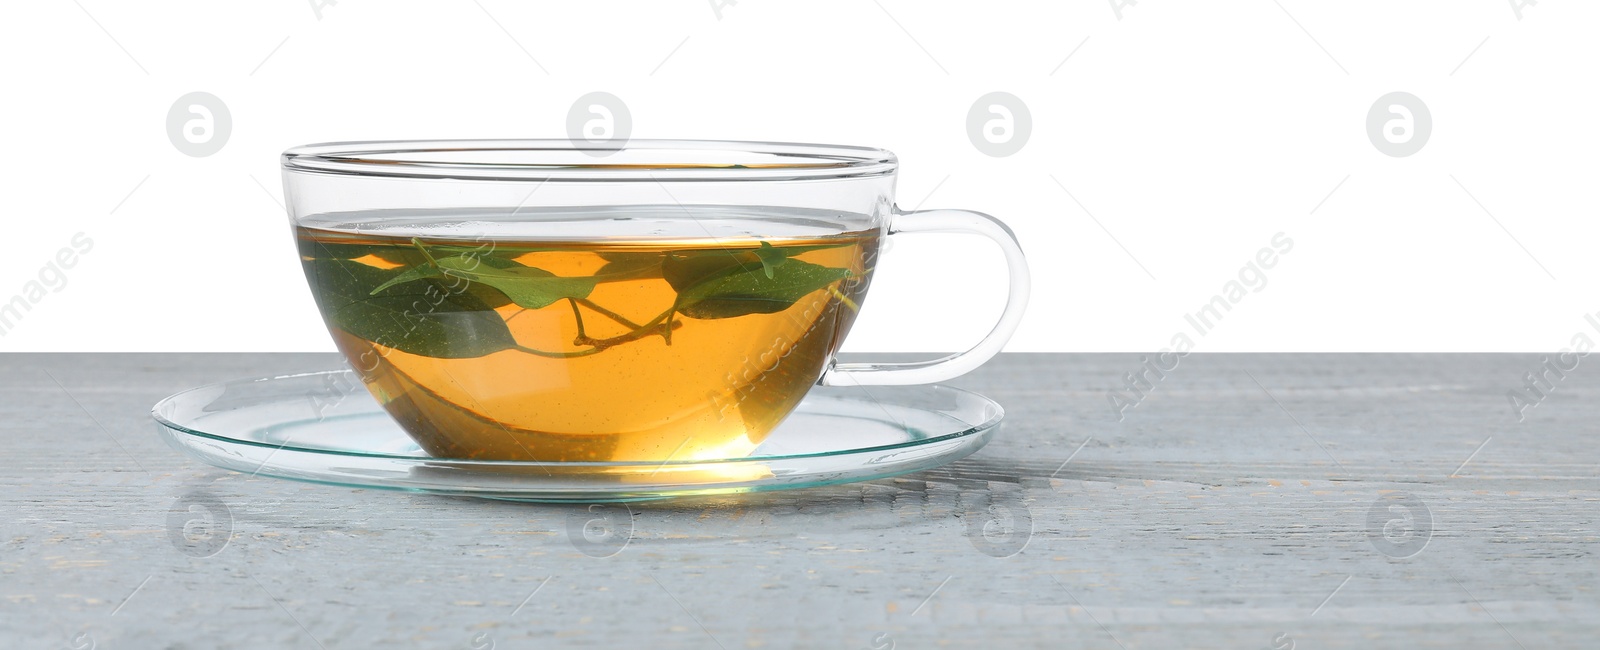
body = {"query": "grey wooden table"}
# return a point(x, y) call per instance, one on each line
point(1249, 501)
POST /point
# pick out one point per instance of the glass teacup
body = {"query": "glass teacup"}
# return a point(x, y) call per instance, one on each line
point(665, 300)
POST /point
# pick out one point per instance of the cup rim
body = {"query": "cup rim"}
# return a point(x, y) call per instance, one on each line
point(564, 160)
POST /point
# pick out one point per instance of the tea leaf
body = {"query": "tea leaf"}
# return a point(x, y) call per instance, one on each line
point(630, 267)
point(424, 318)
point(428, 269)
point(336, 282)
point(527, 286)
point(444, 306)
point(770, 258)
point(684, 271)
point(745, 290)
point(461, 326)
point(413, 274)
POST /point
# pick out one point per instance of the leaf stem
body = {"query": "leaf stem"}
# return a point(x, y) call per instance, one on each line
point(578, 317)
point(556, 355)
point(659, 325)
point(607, 313)
point(662, 324)
point(843, 298)
point(424, 250)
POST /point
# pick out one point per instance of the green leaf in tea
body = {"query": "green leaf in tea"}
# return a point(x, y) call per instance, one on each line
point(336, 282)
point(440, 299)
point(340, 282)
point(630, 266)
point(415, 314)
point(526, 286)
point(461, 326)
point(770, 258)
point(684, 271)
point(742, 291)
point(413, 274)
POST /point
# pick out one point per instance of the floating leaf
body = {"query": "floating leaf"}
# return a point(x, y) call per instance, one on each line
point(459, 327)
point(428, 269)
point(439, 300)
point(336, 282)
point(684, 271)
point(770, 258)
point(633, 266)
point(742, 291)
point(422, 318)
point(413, 274)
point(526, 286)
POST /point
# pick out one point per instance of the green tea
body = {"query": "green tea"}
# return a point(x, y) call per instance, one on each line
point(611, 348)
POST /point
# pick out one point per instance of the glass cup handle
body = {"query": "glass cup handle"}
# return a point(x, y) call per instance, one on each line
point(955, 365)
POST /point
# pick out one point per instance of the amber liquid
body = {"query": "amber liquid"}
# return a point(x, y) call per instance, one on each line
point(664, 348)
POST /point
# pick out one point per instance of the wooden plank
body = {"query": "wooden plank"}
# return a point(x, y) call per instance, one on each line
point(1242, 503)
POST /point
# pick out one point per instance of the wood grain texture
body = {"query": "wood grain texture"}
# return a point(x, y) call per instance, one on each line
point(1232, 508)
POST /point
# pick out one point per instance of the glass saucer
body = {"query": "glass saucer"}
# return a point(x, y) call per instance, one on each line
point(324, 427)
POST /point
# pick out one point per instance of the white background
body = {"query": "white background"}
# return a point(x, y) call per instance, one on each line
point(1191, 131)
